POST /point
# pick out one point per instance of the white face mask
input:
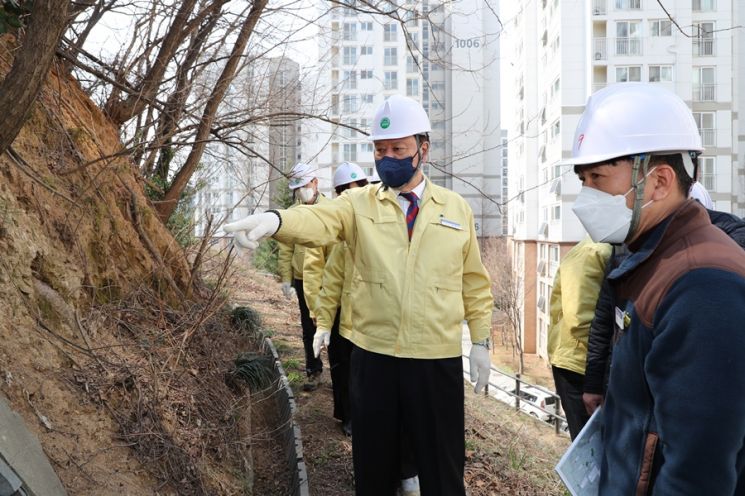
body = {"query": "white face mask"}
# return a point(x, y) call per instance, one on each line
point(306, 195)
point(605, 217)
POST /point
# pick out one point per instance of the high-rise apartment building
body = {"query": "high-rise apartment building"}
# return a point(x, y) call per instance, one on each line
point(560, 55)
point(446, 56)
point(233, 185)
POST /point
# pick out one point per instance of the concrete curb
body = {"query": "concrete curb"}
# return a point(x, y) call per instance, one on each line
point(291, 438)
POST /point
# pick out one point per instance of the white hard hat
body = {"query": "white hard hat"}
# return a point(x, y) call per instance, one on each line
point(399, 117)
point(699, 193)
point(632, 118)
point(300, 175)
point(348, 172)
point(374, 177)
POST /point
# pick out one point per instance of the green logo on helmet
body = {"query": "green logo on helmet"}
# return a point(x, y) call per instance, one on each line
point(354, 175)
point(385, 122)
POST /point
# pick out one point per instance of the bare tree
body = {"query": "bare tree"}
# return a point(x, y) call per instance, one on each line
point(31, 65)
point(507, 289)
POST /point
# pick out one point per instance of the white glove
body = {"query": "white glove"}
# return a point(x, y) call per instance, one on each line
point(288, 290)
point(480, 365)
point(321, 339)
point(253, 228)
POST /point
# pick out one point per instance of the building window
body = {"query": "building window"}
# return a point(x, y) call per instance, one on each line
point(660, 73)
point(703, 43)
point(350, 152)
point(389, 32)
point(366, 26)
point(391, 56)
point(661, 27)
point(556, 129)
point(704, 84)
point(366, 50)
point(367, 98)
point(349, 104)
point(708, 172)
point(628, 73)
point(628, 38)
point(366, 74)
point(390, 80)
point(350, 80)
point(412, 87)
point(411, 64)
point(350, 31)
point(350, 56)
point(628, 4)
point(706, 127)
point(367, 147)
point(704, 5)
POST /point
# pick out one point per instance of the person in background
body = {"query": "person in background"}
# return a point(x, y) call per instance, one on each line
point(332, 306)
point(418, 275)
point(572, 307)
point(291, 261)
point(671, 423)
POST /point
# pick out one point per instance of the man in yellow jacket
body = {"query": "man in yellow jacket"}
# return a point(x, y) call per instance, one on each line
point(573, 298)
point(291, 261)
point(418, 275)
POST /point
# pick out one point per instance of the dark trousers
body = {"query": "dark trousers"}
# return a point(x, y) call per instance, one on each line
point(312, 364)
point(424, 400)
point(569, 387)
point(340, 352)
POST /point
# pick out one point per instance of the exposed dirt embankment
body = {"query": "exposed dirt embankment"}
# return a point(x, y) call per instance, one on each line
point(105, 352)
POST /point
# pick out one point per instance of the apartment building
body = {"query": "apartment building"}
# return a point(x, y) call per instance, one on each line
point(562, 53)
point(445, 55)
point(232, 185)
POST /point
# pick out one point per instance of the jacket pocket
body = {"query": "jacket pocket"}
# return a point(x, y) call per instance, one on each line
point(443, 311)
point(647, 464)
point(372, 299)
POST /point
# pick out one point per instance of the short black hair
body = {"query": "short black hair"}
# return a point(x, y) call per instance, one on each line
point(675, 161)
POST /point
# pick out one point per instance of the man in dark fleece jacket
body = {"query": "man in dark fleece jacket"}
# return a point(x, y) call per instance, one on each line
point(674, 414)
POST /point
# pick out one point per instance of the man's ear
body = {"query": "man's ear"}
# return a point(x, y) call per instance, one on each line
point(666, 182)
point(424, 153)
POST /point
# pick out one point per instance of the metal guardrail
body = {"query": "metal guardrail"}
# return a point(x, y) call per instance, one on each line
point(555, 420)
point(291, 439)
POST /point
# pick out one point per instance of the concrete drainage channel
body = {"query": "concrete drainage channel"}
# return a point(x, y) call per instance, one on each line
point(291, 439)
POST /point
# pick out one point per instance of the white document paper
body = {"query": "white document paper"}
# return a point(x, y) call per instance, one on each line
point(579, 468)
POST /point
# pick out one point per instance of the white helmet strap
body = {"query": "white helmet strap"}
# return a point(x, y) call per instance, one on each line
point(641, 161)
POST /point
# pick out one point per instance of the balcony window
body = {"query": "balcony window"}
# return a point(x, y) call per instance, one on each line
point(350, 31)
point(708, 172)
point(705, 121)
point(628, 38)
point(704, 84)
point(350, 152)
point(390, 80)
point(704, 5)
point(412, 87)
point(628, 4)
point(391, 56)
point(703, 43)
point(350, 56)
point(389, 32)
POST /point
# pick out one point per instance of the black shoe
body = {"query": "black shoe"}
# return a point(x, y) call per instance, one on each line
point(312, 382)
point(346, 428)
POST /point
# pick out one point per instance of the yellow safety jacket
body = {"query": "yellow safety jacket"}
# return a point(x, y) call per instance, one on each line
point(336, 291)
point(313, 267)
point(572, 306)
point(291, 256)
point(409, 298)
